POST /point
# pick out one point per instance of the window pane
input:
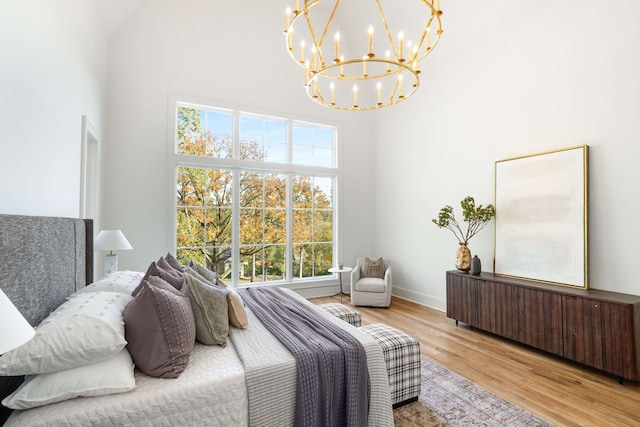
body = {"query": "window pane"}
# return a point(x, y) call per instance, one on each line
point(275, 153)
point(190, 228)
point(322, 192)
point(251, 191)
point(302, 261)
point(302, 225)
point(275, 191)
point(323, 259)
point(303, 155)
point(323, 226)
point(204, 133)
point(218, 229)
point(275, 225)
point(251, 226)
point(312, 145)
point(217, 191)
point(323, 138)
point(302, 191)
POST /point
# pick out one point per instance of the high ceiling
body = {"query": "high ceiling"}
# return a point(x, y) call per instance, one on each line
point(113, 14)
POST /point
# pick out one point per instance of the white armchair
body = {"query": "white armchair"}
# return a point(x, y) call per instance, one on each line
point(371, 291)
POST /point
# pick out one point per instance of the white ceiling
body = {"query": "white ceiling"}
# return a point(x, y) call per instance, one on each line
point(113, 14)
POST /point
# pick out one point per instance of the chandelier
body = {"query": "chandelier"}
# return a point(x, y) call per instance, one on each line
point(350, 68)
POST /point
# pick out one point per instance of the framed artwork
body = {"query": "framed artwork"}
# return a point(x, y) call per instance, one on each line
point(541, 217)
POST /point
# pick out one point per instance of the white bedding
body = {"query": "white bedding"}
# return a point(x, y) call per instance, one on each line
point(214, 390)
point(210, 392)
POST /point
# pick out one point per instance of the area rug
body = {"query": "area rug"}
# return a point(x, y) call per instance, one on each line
point(447, 399)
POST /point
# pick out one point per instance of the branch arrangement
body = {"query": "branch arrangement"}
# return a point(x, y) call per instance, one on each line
point(477, 218)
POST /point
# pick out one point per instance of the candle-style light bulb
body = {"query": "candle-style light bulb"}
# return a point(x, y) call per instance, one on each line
point(400, 95)
point(297, 5)
point(355, 95)
point(371, 55)
point(364, 66)
point(288, 15)
point(290, 44)
point(379, 86)
point(307, 67)
point(337, 38)
point(333, 93)
point(341, 66)
point(400, 40)
point(388, 56)
point(302, 50)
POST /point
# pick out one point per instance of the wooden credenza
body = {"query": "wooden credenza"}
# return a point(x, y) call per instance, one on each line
point(597, 328)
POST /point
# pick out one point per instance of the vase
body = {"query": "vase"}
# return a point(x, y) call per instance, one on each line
point(476, 266)
point(463, 258)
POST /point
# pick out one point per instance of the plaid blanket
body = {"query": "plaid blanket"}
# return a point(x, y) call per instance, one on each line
point(332, 376)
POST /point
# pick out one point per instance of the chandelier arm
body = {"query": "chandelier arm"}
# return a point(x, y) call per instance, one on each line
point(329, 22)
point(422, 38)
point(386, 27)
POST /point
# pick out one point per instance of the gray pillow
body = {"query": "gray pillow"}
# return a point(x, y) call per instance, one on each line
point(237, 312)
point(160, 329)
point(373, 268)
point(210, 310)
point(203, 271)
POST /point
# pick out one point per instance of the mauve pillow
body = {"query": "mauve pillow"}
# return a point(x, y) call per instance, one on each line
point(168, 276)
point(210, 310)
point(160, 329)
point(373, 268)
point(164, 264)
point(173, 262)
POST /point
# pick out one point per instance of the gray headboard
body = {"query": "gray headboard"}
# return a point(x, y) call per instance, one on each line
point(42, 261)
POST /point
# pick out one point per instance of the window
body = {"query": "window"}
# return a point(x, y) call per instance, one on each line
point(255, 197)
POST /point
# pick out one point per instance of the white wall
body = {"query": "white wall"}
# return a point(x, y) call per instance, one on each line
point(513, 79)
point(52, 71)
point(226, 54)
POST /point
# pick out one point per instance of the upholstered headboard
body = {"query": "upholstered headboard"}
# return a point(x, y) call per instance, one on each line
point(42, 261)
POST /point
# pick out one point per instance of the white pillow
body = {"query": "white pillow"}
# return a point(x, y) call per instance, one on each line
point(119, 281)
point(87, 328)
point(111, 376)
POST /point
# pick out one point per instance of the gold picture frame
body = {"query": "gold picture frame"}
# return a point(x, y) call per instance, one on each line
point(541, 223)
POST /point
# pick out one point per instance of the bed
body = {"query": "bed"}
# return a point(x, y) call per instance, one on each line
point(250, 381)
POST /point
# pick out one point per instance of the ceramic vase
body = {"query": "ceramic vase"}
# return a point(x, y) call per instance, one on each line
point(463, 258)
point(476, 266)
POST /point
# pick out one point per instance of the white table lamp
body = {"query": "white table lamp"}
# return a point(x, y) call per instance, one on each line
point(111, 240)
point(14, 328)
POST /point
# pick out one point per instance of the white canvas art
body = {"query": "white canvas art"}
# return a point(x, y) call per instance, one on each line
point(541, 217)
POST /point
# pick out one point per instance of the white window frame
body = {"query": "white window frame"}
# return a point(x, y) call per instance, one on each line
point(175, 160)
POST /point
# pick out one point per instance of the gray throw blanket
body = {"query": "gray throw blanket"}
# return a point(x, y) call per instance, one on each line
point(332, 376)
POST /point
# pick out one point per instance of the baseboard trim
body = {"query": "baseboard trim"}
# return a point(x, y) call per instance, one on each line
point(436, 303)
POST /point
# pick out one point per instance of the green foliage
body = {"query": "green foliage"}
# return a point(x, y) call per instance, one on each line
point(477, 218)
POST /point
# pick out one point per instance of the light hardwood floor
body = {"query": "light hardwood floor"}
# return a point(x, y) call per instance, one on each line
point(561, 392)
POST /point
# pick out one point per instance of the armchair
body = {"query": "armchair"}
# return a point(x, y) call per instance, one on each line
point(371, 291)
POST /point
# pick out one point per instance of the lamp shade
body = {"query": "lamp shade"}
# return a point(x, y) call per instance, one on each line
point(14, 328)
point(111, 240)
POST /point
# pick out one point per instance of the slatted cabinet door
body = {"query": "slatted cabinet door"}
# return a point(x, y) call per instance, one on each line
point(462, 299)
point(596, 334)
